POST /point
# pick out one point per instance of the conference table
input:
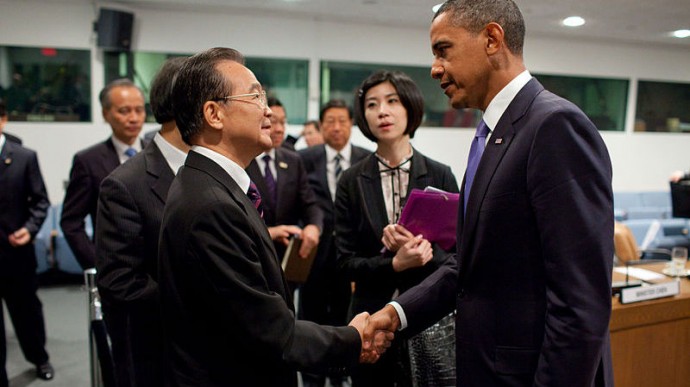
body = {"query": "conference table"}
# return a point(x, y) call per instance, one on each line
point(650, 340)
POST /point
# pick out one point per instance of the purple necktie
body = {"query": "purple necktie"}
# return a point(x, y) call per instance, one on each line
point(270, 180)
point(255, 197)
point(476, 151)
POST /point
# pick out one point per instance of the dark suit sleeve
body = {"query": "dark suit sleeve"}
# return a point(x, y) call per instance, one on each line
point(74, 209)
point(120, 246)
point(229, 261)
point(569, 180)
point(37, 199)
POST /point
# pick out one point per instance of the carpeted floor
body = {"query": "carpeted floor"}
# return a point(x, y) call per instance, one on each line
point(65, 308)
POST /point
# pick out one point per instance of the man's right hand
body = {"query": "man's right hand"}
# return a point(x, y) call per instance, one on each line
point(385, 321)
point(378, 344)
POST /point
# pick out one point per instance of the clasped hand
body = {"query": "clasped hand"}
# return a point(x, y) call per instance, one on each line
point(374, 341)
point(410, 250)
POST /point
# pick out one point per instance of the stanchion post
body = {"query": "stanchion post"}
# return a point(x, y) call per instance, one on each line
point(94, 313)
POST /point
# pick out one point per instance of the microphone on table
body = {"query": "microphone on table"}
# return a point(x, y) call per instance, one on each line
point(616, 287)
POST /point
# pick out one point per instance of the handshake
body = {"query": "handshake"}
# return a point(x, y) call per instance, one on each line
point(376, 332)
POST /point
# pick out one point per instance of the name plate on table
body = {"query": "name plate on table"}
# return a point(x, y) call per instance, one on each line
point(644, 293)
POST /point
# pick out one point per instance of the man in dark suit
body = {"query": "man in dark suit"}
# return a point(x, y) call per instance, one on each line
point(325, 297)
point(227, 311)
point(130, 209)
point(23, 207)
point(532, 280)
point(287, 198)
point(123, 108)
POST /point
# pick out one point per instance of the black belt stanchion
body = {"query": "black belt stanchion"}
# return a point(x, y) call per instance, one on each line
point(102, 369)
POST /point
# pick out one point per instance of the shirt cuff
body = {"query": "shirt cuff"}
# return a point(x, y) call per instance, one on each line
point(401, 314)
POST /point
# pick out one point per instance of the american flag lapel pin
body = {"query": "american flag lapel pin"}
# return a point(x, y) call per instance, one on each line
point(498, 141)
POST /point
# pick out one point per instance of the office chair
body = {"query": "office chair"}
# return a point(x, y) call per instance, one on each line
point(627, 251)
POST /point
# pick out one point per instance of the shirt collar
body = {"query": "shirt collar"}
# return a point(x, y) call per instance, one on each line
point(345, 153)
point(500, 102)
point(121, 147)
point(271, 153)
point(2, 141)
point(172, 155)
point(233, 169)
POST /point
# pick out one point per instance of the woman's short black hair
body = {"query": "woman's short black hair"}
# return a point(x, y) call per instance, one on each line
point(410, 96)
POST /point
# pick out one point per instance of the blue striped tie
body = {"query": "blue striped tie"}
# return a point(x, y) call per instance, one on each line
point(338, 166)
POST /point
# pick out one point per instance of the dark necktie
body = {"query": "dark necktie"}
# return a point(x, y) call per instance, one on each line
point(255, 197)
point(476, 151)
point(130, 152)
point(270, 180)
point(338, 166)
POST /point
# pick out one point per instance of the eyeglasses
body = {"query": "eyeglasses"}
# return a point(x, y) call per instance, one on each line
point(255, 98)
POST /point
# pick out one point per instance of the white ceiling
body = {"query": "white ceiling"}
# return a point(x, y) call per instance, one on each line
point(637, 21)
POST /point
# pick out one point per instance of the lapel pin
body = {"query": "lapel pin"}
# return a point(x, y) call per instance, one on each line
point(498, 141)
point(283, 164)
point(8, 161)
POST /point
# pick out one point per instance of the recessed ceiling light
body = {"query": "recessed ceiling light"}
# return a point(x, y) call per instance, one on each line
point(435, 8)
point(573, 21)
point(681, 33)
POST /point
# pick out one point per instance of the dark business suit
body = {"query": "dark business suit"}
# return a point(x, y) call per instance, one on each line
point(89, 167)
point(130, 209)
point(296, 201)
point(227, 310)
point(325, 297)
point(532, 280)
point(360, 218)
point(23, 203)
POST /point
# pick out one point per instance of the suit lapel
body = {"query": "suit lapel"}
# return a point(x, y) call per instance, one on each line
point(322, 171)
point(418, 173)
point(159, 171)
point(282, 170)
point(6, 156)
point(371, 194)
point(111, 159)
point(497, 146)
point(204, 164)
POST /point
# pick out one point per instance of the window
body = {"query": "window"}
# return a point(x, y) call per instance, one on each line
point(662, 107)
point(603, 100)
point(341, 80)
point(46, 84)
point(285, 79)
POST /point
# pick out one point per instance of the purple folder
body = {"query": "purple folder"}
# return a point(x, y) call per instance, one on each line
point(433, 214)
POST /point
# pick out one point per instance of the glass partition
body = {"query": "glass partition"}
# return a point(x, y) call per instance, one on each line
point(341, 80)
point(285, 79)
point(662, 107)
point(46, 84)
point(604, 100)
